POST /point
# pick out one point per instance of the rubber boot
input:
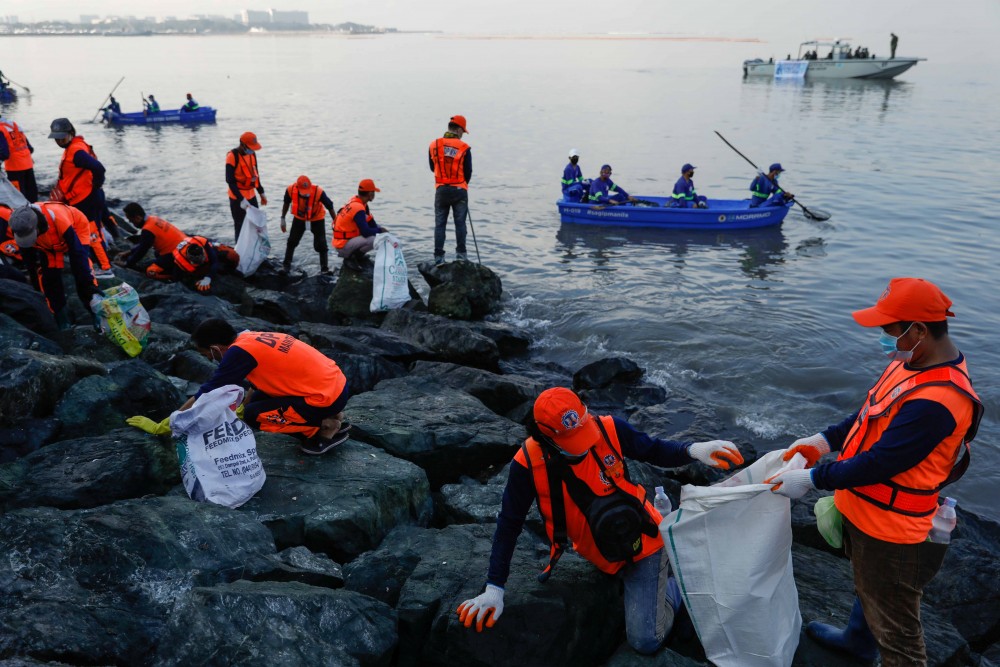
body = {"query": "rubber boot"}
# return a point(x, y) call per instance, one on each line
point(324, 266)
point(856, 639)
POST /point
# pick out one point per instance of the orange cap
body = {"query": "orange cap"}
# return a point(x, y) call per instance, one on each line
point(303, 181)
point(250, 140)
point(368, 185)
point(906, 300)
point(561, 416)
point(460, 121)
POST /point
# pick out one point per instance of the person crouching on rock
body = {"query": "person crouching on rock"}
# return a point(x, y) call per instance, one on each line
point(354, 227)
point(607, 518)
point(296, 389)
point(197, 257)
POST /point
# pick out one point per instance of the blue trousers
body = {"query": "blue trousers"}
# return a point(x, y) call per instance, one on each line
point(649, 616)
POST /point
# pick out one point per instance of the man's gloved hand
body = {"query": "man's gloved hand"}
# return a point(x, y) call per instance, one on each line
point(716, 453)
point(282, 223)
point(244, 204)
point(95, 304)
point(149, 426)
point(792, 483)
point(240, 409)
point(484, 608)
point(204, 284)
point(263, 199)
point(812, 448)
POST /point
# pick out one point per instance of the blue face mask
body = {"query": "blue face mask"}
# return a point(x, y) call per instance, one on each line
point(889, 348)
point(250, 151)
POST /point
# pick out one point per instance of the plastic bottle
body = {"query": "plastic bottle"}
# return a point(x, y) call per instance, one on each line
point(661, 502)
point(943, 523)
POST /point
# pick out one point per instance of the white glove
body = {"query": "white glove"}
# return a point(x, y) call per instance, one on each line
point(812, 448)
point(792, 483)
point(244, 204)
point(95, 304)
point(204, 284)
point(716, 453)
point(479, 608)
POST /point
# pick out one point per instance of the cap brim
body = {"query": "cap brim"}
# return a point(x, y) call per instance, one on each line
point(26, 241)
point(254, 146)
point(580, 439)
point(873, 317)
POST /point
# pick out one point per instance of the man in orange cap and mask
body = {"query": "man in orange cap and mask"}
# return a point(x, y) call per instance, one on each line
point(608, 519)
point(909, 440)
point(451, 161)
point(243, 179)
point(307, 202)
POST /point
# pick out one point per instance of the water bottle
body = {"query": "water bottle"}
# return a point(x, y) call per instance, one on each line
point(662, 503)
point(943, 523)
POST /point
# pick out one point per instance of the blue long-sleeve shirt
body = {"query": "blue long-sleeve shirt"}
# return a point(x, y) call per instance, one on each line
point(763, 188)
point(684, 191)
point(520, 491)
point(572, 174)
point(603, 191)
point(85, 160)
point(235, 366)
point(146, 240)
point(366, 229)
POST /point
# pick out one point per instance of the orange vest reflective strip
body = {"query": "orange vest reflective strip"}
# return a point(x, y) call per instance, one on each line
point(180, 258)
point(20, 155)
point(901, 509)
point(344, 227)
point(59, 218)
point(247, 177)
point(589, 471)
point(307, 208)
point(165, 235)
point(75, 183)
point(448, 155)
point(288, 367)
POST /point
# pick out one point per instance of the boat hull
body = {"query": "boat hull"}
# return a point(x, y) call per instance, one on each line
point(8, 95)
point(721, 214)
point(861, 68)
point(169, 117)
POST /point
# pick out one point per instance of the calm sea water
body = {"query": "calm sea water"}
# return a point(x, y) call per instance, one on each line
point(758, 324)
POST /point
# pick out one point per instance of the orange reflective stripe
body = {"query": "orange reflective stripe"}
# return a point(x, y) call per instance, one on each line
point(180, 258)
point(247, 176)
point(76, 183)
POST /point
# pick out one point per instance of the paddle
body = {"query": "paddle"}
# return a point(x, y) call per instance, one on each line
point(812, 215)
point(26, 89)
point(107, 98)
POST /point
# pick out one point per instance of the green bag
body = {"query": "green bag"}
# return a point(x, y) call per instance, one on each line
point(829, 521)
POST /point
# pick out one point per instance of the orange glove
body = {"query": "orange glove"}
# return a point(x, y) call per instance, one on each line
point(484, 608)
point(204, 284)
point(716, 453)
point(812, 448)
point(263, 200)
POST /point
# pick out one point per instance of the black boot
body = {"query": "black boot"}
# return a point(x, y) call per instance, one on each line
point(324, 267)
point(856, 639)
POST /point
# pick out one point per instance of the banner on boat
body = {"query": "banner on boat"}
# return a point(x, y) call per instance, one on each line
point(790, 69)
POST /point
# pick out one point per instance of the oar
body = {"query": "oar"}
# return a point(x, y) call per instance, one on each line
point(26, 89)
point(813, 215)
point(107, 98)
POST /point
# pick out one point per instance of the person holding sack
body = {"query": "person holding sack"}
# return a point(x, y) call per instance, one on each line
point(606, 517)
point(354, 227)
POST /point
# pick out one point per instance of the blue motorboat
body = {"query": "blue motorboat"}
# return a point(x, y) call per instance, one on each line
point(654, 212)
point(167, 117)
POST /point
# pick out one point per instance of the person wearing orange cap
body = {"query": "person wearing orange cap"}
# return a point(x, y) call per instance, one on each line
point(243, 179)
point(190, 105)
point(451, 161)
point(585, 456)
point(354, 227)
point(307, 202)
point(908, 441)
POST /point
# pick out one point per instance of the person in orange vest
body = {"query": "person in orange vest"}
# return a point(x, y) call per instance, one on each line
point(45, 234)
point(307, 202)
point(195, 257)
point(296, 389)
point(243, 179)
point(15, 153)
point(9, 249)
point(451, 161)
point(81, 185)
point(354, 227)
point(585, 455)
point(154, 232)
point(909, 439)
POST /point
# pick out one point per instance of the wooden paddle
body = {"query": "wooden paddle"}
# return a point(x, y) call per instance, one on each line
point(107, 98)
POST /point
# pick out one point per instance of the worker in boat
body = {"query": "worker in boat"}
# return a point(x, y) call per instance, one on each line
point(151, 105)
point(893, 43)
point(307, 202)
point(684, 195)
point(154, 232)
point(243, 179)
point(113, 105)
point(765, 190)
point(195, 257)
point(15, 154)
point(354, 227)
point(190, 105)
point(572, 179)
point(605, 192)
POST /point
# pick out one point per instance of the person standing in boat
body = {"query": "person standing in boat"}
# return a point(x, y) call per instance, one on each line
point(766, 191)
point(307, 202)
point(190, 105)
point(605, 192)
point(684, 195)
point(572, 179)
point(243, 179)
point(893, 42)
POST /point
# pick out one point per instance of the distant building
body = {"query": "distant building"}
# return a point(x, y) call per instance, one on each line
point(10, 19)
point(252, 18)
point(289, 18)
point(273, 17)
point(89, 18)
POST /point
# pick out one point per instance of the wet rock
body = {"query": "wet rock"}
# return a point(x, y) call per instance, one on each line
point(606, 372)
point(500, 393)
point(626, 657)
point(446, 432)
point(363, 340)
point(191, 366)
point(270, 305)
point(91, 471)
point(186, 312)
point(471, 502)
point(461, 290)
point(365, 371)
point(448, 340)
point(32, 382)
point(14, 335)
point(301, 565)
point(350, 300)
point(26, 436)
point(26, 305)
point(510, 340)
point(311, 294)
point(85, 339)
point(623, 397)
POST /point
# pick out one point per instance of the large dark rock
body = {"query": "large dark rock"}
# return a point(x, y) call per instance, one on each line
point(27, 306)
point(270, 305)
point(363, 340)
point(32, 382)
point(461, 290)
point(27, 436)
point(14, 335)
point(99, 403)
point(311, 294)
point(365, 371)
point(605, 372)
point(301, 565)
point(187, 311)
point(191, 366)
point(446, 432)
point(448, 340)
point(966, 590)
point(468, 501)
point(626, 657)
point(510, 340)
point(85, 339)
point(86, 472)
point(351, 298)
point(163, 343)
point(500, 393)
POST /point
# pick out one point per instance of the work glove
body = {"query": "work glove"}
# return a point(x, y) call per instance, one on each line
point(244, 204)
point(263, 199)
point(204, 284)
point(240, 409)
point(149, 426)
point(716, 453)
point(484, 608)
point(812, 448)
point(792, 483)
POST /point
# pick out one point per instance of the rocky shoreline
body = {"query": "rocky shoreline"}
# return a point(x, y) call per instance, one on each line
point(361, 556)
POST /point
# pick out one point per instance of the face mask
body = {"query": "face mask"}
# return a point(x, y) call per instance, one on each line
point(889, 348)
point(250, 151)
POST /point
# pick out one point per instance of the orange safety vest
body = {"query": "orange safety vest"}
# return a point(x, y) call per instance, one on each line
point(901, 509)
point(61, 217)
point(180, 258)
point(165, 235)
point(306, 208)
point(288, 367)
point(590, 471)
point(20, 155)
point(8, 246)
point(75, 183)
point(344, 227)
point(448, 155)
point(247, 177)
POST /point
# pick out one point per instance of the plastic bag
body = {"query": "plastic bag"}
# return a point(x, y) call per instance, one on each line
point(216, 450)
point(390, 288)
point(730, 548)
point(124, 320)
point(253, 246)
point(829, 522)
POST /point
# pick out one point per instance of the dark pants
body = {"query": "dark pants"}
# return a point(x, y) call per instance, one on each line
point(291, 414)
point(889, 579)
point(24, 181)
point(93, 207)
point(239, 215)
point(319, 240)
point(450, 198)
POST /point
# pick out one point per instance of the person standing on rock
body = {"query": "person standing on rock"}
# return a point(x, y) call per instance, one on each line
point(243, 180)
point(296, 388)
point(451, 161)
point(307, 202)
point(354, 227)
point(585, 456)
point(909, 440)
point(15, 153)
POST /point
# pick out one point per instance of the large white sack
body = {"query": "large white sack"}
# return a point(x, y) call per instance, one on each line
point(216, 450)
point(390, 288)
point(10, 195)
point(730, 548)
point(253, 246)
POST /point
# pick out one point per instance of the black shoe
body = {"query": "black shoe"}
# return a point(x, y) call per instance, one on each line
point(283, 271)
point(352, 264)
point(317, 445)
point(325, 272)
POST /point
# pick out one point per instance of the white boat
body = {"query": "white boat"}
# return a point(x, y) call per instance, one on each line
point(838, 63)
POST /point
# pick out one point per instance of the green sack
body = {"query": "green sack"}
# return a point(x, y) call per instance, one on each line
point(830, 522)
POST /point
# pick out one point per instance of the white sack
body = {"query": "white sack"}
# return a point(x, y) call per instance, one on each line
point(10, 195)
point(253, 246)
point(390, 288)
